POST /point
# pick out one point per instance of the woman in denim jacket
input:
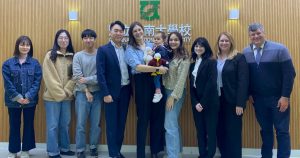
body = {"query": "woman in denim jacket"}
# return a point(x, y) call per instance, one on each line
point(22, 76)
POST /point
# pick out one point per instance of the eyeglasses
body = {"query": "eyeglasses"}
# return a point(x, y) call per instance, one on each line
point(63, 38)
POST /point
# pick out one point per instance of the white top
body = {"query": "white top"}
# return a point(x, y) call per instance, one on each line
point(220, 65)
point(123, 66)
point(195, 71)
point(261, 50)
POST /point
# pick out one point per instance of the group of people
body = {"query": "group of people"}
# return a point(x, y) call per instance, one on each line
point(220, 84)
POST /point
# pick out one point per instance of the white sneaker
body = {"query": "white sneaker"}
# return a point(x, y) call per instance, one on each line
point(24, 154)
point(12, 155)
point(157, 97)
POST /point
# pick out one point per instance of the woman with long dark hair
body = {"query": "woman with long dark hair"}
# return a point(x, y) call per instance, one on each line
point(58, 94)
point(204, 96)
point(175, 81)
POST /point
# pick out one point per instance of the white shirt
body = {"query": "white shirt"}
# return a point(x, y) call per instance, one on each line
point(195, 71)
point(123, 66)
point(220, 65)
point(261, 50)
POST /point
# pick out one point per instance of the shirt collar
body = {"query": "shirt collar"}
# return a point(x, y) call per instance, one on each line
point(16, 60)
point(199, 59)
point(114, 44)
point(261, 47)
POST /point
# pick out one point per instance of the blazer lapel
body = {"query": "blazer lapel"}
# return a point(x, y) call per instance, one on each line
point(252, 48)
point(191, 71)
point(113, 53)
point(201, 66)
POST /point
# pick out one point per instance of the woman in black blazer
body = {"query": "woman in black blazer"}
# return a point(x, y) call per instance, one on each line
point(233, 81)
point(204, 96)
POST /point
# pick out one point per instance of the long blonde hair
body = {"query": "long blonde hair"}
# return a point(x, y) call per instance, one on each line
point(232, 51)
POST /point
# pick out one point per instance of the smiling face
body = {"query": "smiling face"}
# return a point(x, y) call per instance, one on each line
point(174, 42)
point(63, 40)
point(224, 44)
point(116, 34)
point(89, 42)
point(257, 37)
point(138, 32)
point(199, 50)
point(24, 48)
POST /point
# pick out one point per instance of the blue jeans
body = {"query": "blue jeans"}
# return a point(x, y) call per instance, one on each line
point(83, 109)
point(173, 134)
point(157, 81)
point(58, 116)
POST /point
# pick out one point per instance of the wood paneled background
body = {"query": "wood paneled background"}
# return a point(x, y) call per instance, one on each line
point(40, 19)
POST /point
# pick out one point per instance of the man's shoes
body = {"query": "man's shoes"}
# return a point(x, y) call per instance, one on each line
point(55, 156)
point(94, 152)
point(68, 153)
point(119, 156)
point(81, 154)
point(157, 97)
point(154, 156)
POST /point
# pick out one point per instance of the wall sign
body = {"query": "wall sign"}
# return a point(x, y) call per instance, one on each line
point(149, 9)
point(149, 31)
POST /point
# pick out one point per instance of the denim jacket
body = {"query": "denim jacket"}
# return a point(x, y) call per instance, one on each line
point(21, 81)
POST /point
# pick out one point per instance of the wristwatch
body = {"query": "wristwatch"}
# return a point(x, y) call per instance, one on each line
point(157, 70)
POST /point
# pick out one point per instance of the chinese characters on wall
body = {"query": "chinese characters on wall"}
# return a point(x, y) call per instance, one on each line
point(149, 31)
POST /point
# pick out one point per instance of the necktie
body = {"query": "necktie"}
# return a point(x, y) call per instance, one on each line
point(258, 55)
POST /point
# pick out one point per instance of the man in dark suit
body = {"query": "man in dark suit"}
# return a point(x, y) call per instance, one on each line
point(271, 82)
point(113, 78)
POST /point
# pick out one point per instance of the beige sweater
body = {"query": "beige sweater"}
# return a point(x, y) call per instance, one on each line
point(176, 76)
point(58, 84)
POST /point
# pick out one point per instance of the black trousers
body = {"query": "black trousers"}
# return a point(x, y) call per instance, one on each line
point(28, 139)
point(115, 116)
point(206, 126)
point(229, 130)
point(148, 112)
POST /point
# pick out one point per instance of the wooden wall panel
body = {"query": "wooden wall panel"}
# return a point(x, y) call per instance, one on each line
point(40, 19)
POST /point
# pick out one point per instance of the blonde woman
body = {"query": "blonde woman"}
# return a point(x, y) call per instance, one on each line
point(233, 81)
